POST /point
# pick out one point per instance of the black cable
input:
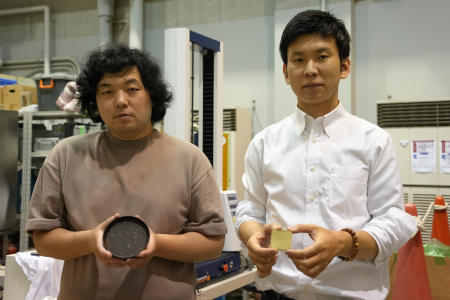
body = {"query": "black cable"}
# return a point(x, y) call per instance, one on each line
point(192, 93)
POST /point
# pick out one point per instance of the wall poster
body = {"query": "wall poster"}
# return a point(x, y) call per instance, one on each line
point(423, 159)
point(445, 156)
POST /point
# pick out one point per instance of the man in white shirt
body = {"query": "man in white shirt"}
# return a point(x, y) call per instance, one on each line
point(325, 175)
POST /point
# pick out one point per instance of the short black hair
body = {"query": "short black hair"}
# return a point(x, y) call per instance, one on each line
point(115, 58)
point(316, 21)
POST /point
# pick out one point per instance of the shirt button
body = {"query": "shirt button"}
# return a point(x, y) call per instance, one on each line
point(314, 140)
point(312, 169)
point(311, 198)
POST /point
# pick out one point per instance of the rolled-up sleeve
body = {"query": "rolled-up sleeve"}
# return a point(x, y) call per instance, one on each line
point(390, 225)
point(206, 213)
point(253, 206)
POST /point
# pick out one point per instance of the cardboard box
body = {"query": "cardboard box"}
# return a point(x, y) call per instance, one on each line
point(438, 269)
point(8, 79)
point(29, 85)
point(439, 275)
point(33, 91)
point(12, 97)
point(16, 96)
point(1, 97)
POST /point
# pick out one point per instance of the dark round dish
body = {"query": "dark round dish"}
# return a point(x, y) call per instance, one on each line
point(126, 237)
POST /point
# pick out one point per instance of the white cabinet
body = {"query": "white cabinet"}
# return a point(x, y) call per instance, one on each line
point(423, 124)
point(403, 138)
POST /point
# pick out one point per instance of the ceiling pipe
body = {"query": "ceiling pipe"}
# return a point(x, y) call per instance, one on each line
point(323, 5)
point(136, 36)
point(34, 9)
point(35, 65)
point(105, 12)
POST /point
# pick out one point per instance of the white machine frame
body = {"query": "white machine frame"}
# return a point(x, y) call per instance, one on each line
point(178, 69)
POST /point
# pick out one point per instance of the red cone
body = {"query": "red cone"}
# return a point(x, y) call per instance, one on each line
point(411, 276)
point(440, 229)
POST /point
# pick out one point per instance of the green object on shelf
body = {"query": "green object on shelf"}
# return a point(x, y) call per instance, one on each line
point(437, 249)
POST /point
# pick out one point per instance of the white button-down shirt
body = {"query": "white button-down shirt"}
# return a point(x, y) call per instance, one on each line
point(335, 171)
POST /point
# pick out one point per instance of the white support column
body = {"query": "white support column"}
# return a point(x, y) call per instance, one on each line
point(218, 115)
point(177, 67)
point(105, 12)
point(136, 38)
point(26, 178)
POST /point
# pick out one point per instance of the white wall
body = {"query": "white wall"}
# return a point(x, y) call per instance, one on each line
point(248, 63)
point(402, 50)
point(401, 46)
point(245, 28)
point(72, 34)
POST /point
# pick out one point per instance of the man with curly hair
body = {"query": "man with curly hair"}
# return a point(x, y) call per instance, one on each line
point(129, 169)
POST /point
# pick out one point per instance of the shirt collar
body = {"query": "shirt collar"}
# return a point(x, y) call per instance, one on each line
point(326, 122)
point(299, 120)
point(332, 118)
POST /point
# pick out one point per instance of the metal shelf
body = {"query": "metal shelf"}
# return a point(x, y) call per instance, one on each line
point(42, 154)
point(28, 119)
point(26, 177)
point(52, 114)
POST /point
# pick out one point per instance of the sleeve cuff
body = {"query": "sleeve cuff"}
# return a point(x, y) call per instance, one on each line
point(44, 224)
point(392, 238)
point(249, 211)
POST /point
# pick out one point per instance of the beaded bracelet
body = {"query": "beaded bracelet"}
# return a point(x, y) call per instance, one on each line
point(355, 245)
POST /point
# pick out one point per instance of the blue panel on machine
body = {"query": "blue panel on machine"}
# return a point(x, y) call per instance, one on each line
point(213, 270)
point(204, 41)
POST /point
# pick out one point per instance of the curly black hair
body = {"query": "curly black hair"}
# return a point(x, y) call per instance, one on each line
point(316, 21)
point(115, 58)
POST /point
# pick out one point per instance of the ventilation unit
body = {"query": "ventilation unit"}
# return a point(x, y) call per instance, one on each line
point(237, 134)
point(420, 131)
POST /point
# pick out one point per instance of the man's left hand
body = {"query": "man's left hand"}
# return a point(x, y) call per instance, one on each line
point(314, 259)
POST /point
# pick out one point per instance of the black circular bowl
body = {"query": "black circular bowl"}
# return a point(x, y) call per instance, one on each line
point(126, 237)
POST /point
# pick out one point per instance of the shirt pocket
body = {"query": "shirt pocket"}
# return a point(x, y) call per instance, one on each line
point(347, 195)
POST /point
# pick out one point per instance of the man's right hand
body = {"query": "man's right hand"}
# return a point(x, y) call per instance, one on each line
point(96, 245)
point(258, 250)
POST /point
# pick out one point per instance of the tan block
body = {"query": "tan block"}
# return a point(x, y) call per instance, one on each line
point(281, 239)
